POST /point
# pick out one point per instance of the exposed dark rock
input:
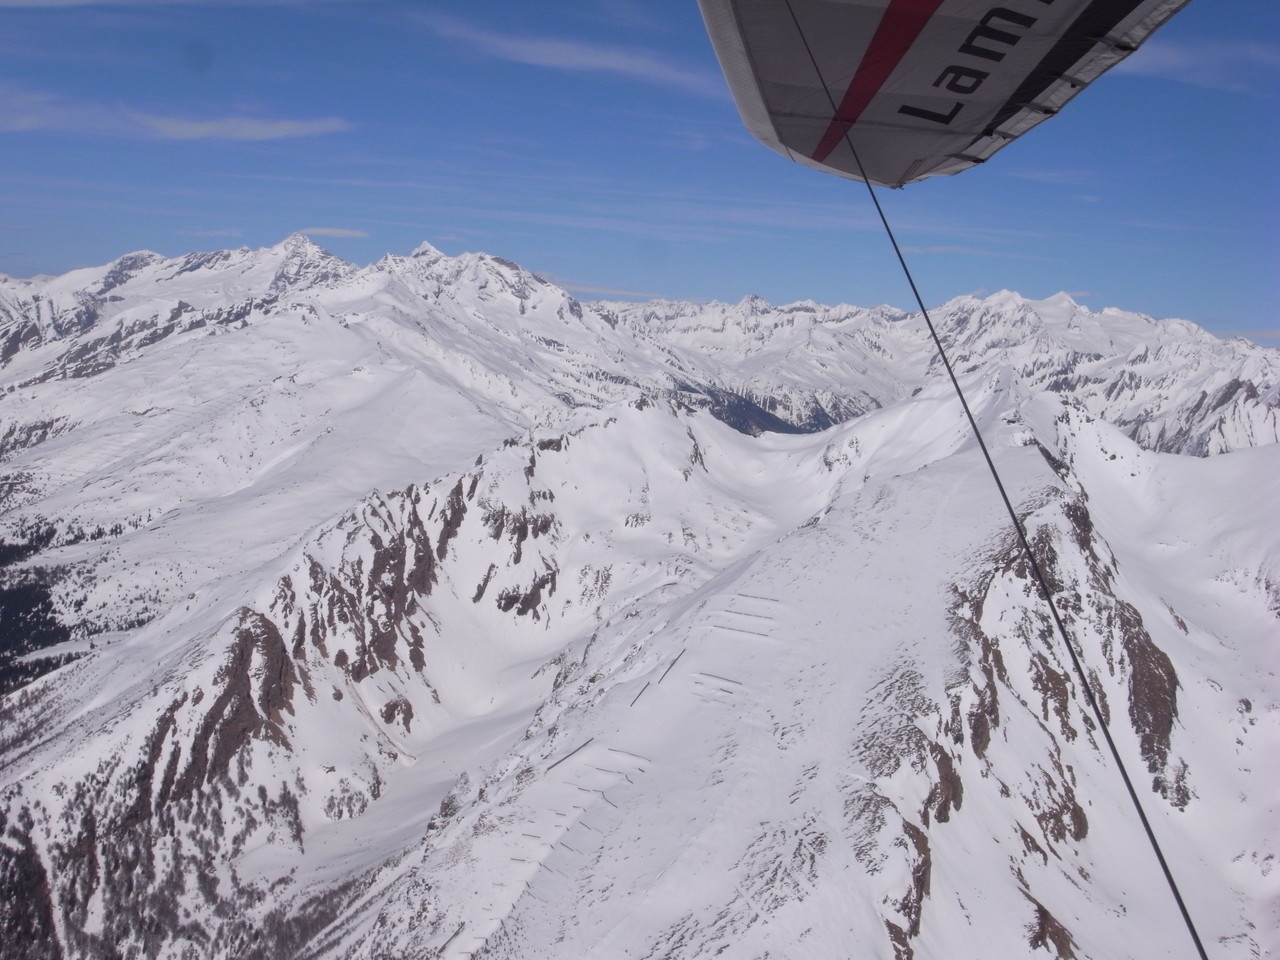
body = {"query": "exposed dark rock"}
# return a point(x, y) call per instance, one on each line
point(240, 713)
point(451, 519)
point(484, 584)
point(529, 600)
point(911, 906)
point(947, 792)
point(965, 615)
point(1081, 525)
point(237, 314)
point(1031, 846)
point(1045, 931)
point(1056, 808)
point(1231, 390)
point(1055, 689)
point(196, 261)
point(144, 779)
point(1153, 688)
point(20, 335)
point(125, 269)
point(400, 710)
point(900, 941)
point(371, 609)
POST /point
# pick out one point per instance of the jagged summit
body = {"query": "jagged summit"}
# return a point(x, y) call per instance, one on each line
point(299, 241)
point(422, 610)
point(425, 250)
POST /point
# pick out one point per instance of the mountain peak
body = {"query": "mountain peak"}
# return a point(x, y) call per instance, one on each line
point(425, 250)
point(1003, 299)
point(300, 243)
point(305, 261)
point(1061, 298)
point(123, 269)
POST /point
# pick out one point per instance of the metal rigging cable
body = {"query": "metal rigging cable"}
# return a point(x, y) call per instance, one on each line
point(1013, 516)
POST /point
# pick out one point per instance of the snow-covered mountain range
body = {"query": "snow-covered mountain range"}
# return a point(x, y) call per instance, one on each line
point(422, 610)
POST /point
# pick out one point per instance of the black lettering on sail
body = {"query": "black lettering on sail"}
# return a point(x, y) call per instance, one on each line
point(984, 31)
point(933, 115)
point(961, 79)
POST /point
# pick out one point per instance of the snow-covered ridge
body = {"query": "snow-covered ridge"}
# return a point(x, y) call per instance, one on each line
point(1170, 384)
point(421, 610)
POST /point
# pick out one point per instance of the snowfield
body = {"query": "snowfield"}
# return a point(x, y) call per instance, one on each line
point(421, 610)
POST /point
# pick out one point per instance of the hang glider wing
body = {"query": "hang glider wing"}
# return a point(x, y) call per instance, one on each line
point(921, 87)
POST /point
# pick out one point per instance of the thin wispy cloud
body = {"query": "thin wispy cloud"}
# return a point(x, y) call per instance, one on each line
point(333, 232)
point(636, 64)
point(1176, 226)
point(586, 201)
point(593, 289)
point(1241, 67)
point(671, 219)
point(23, 110)
point(213, 233)
point(632, 13)
point(1068, 178)
point(237, 128)
point(975, 252)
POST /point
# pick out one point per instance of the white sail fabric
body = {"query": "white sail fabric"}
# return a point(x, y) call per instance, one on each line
point(919, 87)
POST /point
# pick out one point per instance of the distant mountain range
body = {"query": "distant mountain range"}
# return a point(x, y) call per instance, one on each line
point(421, 610)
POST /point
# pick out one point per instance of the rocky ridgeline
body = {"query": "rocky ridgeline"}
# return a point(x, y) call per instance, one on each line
point(1170, 385)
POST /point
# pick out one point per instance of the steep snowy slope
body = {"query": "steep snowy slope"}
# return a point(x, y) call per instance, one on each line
point(845, 743)
point(421, 610)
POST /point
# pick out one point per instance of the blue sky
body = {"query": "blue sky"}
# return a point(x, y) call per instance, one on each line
point(594, 142)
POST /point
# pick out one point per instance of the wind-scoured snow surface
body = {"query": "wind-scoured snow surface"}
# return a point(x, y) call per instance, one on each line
point(421, 611)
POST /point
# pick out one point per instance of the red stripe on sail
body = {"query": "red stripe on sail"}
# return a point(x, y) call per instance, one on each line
point(899, 27)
